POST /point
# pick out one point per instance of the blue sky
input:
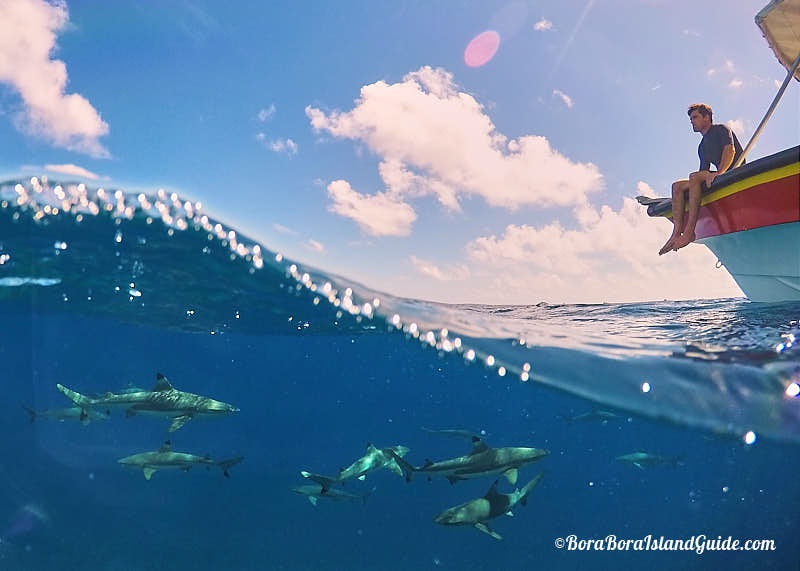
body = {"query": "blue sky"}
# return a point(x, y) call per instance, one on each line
point(354, 137)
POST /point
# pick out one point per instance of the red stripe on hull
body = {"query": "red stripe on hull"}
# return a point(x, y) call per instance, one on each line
point(774, 202)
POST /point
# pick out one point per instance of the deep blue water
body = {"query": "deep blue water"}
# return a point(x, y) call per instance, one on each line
point(312, 396)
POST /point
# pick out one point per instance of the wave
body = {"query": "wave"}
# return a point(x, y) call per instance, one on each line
point(156, 259)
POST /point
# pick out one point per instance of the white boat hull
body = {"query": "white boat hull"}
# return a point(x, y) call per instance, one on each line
point(765, 262)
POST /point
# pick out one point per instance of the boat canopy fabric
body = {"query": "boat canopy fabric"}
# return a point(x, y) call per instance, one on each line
point(780, 23)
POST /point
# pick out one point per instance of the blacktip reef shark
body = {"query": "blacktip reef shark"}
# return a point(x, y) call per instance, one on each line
point(640, 459)
point(164, 459)
point(601, 416)
point(163, 400)
point(71, 413)
point(477, 512)
point(323, 487)
point(482, 461)
point(373, 459)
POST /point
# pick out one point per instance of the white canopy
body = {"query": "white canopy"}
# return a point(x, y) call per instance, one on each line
point(780, 23)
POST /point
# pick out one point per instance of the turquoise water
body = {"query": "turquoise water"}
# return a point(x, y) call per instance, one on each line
point(121, 287)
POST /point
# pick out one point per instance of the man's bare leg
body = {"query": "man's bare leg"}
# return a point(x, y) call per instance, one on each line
point(696, 181)
point(678, 189)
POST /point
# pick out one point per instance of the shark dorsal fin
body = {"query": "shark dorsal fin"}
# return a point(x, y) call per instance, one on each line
point(492, 490)
point(162, 384)
point(166, 447)
point(478, 445)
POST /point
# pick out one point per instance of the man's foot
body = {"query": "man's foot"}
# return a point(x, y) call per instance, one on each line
point(684, 240)
point(668, 246)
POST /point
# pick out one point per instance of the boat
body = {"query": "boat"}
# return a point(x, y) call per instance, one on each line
point(750, 216)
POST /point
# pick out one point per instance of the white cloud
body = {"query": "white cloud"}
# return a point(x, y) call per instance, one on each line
point(735, 83)
point(380, 214)
point(692, 33)
point(312, 244)
point(564, 97)
point(611, 256)
point(28, 30)
point(73, 170)
point(736, 125)
point(645, 189)
point(710, 72)
point(543, 25)
point(282, 146)
point(264, 114)
point(742, 127)
point(453, 272)
point(283, 229)
point(434, 139)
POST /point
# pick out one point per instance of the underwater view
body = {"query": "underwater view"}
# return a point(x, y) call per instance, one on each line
point(177, 396)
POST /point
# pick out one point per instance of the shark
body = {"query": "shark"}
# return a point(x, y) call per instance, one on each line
point(324, 487)
point(493, 504)
point(164, 458)
point(481, 461)
point(163, 401)
point(640, 459)
point(373, 459)
point(71, 413)
point(601, 416)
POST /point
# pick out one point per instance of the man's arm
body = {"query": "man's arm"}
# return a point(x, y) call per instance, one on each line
point(727, 159)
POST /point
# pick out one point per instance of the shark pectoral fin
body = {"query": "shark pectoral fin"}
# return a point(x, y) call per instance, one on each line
point(451, 479)
point(509, 513)
point(511, 476)
point(84, 418)
point(638, 465)
point(313, 500)
point(395, 468)
point(148, 473)
point(179, 421)
point(485, 529)
point(129, 412)
point(362, 477)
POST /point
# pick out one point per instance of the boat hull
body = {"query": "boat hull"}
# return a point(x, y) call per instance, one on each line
point(765, 262)
point(750, 219)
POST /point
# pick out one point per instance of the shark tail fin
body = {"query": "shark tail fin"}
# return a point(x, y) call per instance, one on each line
point(405, 467)
point(367, 494)
point(76, 397)
point(30, 412)
point(529, 487)
point(225, 465)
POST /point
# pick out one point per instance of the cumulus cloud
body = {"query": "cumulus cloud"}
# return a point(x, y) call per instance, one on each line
point(73, 170)
point(611, 255)
point(381, 214)
point(28, 30)
point(433, 139)
point(452, 272)
point(564, 97)
point(281, 145)
point(267, 113)
point(543, 25)
point(735, 83)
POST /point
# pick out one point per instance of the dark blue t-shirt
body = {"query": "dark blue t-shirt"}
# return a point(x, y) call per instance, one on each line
point(714, 141)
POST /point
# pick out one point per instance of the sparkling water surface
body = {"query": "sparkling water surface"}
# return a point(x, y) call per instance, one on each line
point(102, 289)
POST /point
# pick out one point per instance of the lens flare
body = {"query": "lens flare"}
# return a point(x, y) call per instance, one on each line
point(481, 48)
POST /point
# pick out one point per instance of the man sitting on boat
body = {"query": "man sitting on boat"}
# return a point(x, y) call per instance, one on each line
point(719, 147)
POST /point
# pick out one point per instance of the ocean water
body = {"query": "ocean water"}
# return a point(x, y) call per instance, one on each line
point(101, 290)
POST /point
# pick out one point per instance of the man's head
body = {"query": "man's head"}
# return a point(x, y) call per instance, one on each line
point(701, 117)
